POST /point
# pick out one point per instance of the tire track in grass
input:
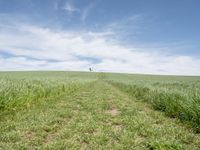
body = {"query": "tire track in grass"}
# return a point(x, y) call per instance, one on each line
point(151, 129)
point(99, 116)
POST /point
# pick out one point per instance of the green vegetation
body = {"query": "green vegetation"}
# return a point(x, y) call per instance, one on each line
point(79, 110)
point(19, 89)
point(178, 97)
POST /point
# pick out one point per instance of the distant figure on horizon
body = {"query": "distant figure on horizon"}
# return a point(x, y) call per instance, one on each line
point(90, 69)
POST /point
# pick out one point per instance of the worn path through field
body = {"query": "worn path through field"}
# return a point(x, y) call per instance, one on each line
point(98, 116)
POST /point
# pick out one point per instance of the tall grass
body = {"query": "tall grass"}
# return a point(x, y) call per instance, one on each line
point(16, 93)
point(177, 99)
point(177, 96)
point(22, 89)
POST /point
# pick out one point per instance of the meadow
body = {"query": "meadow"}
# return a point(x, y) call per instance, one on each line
point(177, 96)
point(82, 110)
point(19, 89)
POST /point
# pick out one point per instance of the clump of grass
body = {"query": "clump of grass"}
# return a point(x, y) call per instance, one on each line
point(22, 89)
point(184, 105)
point(19, 93)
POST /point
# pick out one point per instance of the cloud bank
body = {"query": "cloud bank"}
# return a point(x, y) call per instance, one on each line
point(28, 47)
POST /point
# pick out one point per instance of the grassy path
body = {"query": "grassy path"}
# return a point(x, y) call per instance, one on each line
point(98, 116)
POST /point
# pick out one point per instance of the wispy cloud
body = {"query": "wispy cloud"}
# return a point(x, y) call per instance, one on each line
point(127, 26)
point(129, 21)
point(86, 11)
point(31, 47)
point(70, 7)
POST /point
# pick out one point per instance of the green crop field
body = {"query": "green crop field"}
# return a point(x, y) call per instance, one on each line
point(81, 110)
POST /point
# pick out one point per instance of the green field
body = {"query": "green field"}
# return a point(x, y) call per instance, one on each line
point(80, 110)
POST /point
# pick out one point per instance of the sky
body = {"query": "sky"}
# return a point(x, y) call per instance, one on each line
point(126, 36)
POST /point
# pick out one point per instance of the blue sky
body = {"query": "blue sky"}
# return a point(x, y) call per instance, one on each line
point(135, 36)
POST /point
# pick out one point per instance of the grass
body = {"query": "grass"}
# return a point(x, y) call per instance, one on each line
point(20, 89)
point(178, 97)
point(92, 112)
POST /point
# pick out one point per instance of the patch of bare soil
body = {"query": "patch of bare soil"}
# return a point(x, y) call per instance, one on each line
point(84, 144)
point(113, 112)
point(29, 135)
point(117, 128)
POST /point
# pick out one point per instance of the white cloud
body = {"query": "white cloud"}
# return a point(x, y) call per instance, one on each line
point(23, 63)
point(37, 48)
point(70, 8)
